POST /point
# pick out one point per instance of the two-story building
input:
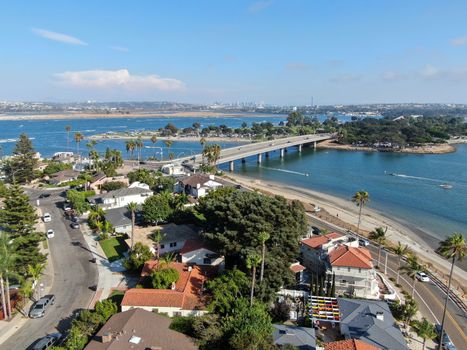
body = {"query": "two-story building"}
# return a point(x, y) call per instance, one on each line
point(197, 185)
point(354, 272)
point(136, 193)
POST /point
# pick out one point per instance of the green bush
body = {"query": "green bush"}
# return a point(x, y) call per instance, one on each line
point(163, 278)
point(112, 186)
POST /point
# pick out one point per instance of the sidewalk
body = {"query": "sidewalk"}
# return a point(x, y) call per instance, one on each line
point(8, 328)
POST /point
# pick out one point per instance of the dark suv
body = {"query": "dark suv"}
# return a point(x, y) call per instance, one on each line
point(39, 307)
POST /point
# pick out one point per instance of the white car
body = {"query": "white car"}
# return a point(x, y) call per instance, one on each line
point(363, 242)
point(50, 233)
point(47, 217)
point(422, 276)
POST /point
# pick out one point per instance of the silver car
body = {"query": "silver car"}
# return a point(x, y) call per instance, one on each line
point(38, 309)
point(47, 342)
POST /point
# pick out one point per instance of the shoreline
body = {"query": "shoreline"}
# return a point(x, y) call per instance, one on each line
point(428, 149)
point(172, 138)
point(184, 114)
point(345, 212)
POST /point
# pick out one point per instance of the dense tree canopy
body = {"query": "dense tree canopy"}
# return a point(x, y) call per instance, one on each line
point(20, 168)
point(234, 221)
point(157, 208)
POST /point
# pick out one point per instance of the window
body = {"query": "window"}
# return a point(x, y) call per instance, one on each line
point(207, 261)
point(177, 313)
point(343, 281)
point(173, 244)
point(162, 246)
point(359, 270)
point(348, 269)
point(155, 310)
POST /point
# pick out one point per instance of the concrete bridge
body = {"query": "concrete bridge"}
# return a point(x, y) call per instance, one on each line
point(258, 149)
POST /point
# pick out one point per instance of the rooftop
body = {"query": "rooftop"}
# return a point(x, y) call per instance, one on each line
point(349, 344)
point(302, 338)
point(138, 329)
point(318, 241)
point(118, 217)
point(351, 257)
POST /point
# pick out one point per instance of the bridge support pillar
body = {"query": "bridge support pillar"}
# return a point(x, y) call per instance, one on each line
point(260, 158)
point(231, 166)
point(266, 154)
point(314, 145)
point(282, 152)
point(243, 161)
point(300, 148)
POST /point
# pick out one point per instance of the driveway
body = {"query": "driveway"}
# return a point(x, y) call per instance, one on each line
point(73, 275)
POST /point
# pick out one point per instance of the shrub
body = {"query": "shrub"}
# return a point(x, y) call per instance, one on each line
point(112, 185)
point(163, 278)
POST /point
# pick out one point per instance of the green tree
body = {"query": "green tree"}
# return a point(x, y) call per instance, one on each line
point(157, 238)
point(139, 144)
point(379, 236)
point(132, 207)
point(252, 261)
point(106, 309)
point(20, 168)
point(130, 147)
point(163, 278)
point(35, 272)
point(7, 264)
point(360, 198)
point(168, 144)
point(157, 208)
point(411, 269)
point(78, 138)
point(424, 330)
point(68, 129)
point(263, 237)
point(18, 219)
point(400, 251)
point(454, 248)
point(233, 221)
point(154, 140)
point(226, 289)
point(78, 200)
point(138, 257)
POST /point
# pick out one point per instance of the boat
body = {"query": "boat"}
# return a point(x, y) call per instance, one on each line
point(446, 186)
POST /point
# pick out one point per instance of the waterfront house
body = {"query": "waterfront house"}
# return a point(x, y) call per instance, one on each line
point(198, 185)
point(197, 252)
point(353, 271)
point(139, 329)
point(186, 297)
point(136, 192)
point(370, 321)
point(101, 179)
point(301, 338)
point(63, 176)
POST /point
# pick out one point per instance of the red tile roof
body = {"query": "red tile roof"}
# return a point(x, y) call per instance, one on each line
point(349, 344)
point(318, 241)
point(187, 294)
point(351, 257)
point(191, 245)
point(297, 268)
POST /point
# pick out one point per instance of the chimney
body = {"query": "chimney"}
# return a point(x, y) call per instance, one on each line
point(106, 337)
point(380, 315)
point(190, 268)
point(173, 286)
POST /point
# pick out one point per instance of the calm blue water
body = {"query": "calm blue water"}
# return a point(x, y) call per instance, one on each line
point(415, 197)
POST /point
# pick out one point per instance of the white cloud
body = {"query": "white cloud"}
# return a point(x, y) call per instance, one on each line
point(459, 41)
point(121, 78)
point(259, 6)
point(63, 38)
point(119, 48)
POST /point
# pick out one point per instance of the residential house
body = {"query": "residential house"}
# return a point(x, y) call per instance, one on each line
point(64, 157)
point(353, 270)
point(349, 344)
point(198, 185)
point(197, 252)
point(120, 219)
point(174, 237)
point(370, 321)
point(63, 176)
point(301, 338)
point(139, 329)
point(314, 250)
point(136, 192)
point(186, 297)
point(298, 270)
point(101, 179)
point(172, 169)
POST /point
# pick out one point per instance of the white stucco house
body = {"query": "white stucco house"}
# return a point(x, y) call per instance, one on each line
point(137, 192)
point(196, 252)
point(198, 185)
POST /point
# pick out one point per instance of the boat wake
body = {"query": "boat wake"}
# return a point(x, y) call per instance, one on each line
point(416, 177)
point(286, 171)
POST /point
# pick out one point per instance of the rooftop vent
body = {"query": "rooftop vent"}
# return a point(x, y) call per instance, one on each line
point(135, 340)
point(106, 337)
point(380, 315)
point(190, 268)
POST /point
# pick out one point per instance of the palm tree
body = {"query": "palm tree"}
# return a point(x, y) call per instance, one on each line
point(157, 238)
point(455, 248)
point(139, 146)
point(78, 137)
point(252, 261)
point(412, 267)
point(132, 207)
point(400, 251)
point(168, 144)
point(68, 129)
point(360, 198)
point(379, 236)
point(36, 271)
point(202, 141)
point(130, 147)
point(154, 140)
point(424, 330)
point(263, 237)
point(7, 261)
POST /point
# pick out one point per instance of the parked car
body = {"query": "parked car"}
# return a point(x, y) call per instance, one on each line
point(40, 306)
point(317, 209)
point(74, 218)
point(422, 276)
point(74, 225)
point(363, 242)
point(66, 207)
point(47, 342)
point(44, 195)
point(315, 230)
point(50, 233)
point(446, 341)
point(47, 217)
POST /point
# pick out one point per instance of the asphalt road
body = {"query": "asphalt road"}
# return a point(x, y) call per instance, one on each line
point(430, 297)
point(73, 275)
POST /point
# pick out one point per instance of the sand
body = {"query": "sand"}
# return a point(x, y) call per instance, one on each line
point(344, 214)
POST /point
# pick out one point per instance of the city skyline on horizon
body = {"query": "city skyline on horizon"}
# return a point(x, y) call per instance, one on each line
point(277, 52)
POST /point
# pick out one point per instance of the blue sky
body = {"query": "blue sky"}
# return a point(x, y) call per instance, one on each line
point(279, 52)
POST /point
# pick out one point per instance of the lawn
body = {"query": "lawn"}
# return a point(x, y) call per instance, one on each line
point(114, 248)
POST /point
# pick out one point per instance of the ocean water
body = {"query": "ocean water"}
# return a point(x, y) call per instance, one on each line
point(414, 195)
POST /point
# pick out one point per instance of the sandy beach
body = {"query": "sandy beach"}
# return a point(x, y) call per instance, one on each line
point(156, 114)
point(428, 149)
point(344, 214)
